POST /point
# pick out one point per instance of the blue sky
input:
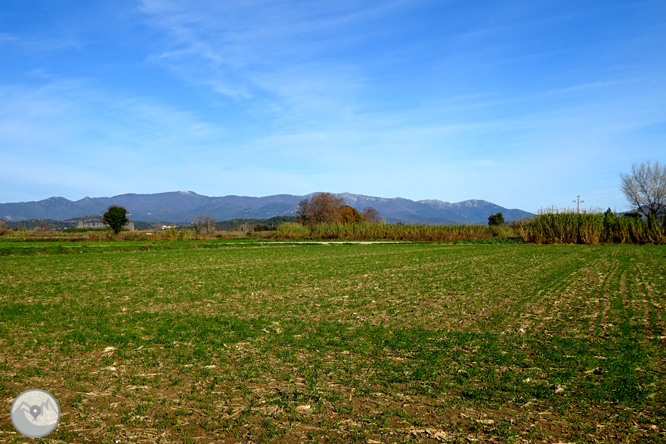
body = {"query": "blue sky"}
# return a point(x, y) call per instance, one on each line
point(523, 103)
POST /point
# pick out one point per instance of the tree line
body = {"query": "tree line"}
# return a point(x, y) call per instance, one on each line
point(644, 188)
point(326, 208)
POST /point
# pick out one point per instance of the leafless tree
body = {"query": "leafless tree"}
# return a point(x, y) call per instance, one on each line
point(303, 211)
point(645, 189)
point(203, 223)
point(245, 227)
point(371, 215)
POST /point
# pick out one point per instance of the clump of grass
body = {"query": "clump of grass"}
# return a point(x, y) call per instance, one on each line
point(292, 230)
point(394, 232)
point(171, 233)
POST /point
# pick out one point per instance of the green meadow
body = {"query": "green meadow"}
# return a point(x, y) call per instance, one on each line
point(246, 341)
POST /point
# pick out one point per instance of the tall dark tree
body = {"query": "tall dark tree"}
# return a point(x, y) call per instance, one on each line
point(496, 219)
point(116, 218)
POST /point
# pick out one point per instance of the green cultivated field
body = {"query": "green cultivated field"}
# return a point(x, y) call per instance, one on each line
point(337, 343)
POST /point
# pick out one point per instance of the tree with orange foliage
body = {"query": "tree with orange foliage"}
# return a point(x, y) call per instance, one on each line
point(350, 215)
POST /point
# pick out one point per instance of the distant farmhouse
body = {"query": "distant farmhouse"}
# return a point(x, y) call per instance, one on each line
point(129, 226)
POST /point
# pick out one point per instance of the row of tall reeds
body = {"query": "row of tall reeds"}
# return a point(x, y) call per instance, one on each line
point(393, 232)
point(588, 228)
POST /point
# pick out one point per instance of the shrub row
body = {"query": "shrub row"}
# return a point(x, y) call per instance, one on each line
point(398, 232)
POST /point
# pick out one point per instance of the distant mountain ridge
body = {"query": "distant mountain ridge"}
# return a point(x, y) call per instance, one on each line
point(183, 206)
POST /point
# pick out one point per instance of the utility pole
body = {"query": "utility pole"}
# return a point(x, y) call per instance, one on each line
point(578, 202)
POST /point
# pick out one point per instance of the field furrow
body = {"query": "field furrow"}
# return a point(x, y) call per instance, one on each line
point(653, 302)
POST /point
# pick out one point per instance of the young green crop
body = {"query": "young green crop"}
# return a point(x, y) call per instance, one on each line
point(295, 342)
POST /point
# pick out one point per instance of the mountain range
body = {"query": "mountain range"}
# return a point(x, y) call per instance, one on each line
point(183, 206)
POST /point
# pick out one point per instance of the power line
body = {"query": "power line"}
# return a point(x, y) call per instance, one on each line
point(578, 202)
point(605, 193)
point(604, 197)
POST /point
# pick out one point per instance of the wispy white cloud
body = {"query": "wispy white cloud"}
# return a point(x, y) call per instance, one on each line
point(37, 44)
point(74, 108)
point(74, 129)
point(284, 53)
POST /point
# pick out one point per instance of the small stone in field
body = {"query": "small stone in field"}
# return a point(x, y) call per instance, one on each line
point(558, 389)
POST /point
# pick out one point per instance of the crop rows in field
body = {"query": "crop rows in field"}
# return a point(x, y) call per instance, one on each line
point(341, 343)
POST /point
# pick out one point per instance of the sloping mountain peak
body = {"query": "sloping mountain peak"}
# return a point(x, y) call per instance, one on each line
point(183, 206)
